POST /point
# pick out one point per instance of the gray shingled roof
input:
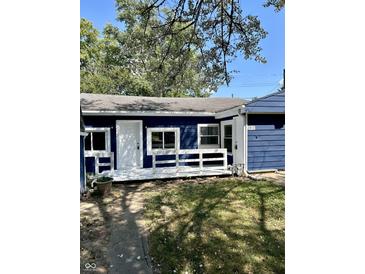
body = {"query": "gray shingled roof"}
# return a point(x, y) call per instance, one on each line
point(102, 102)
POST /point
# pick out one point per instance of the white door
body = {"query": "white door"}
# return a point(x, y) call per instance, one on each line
point(129, 144)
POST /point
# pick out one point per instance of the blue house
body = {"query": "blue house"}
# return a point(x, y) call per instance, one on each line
point(137, 138)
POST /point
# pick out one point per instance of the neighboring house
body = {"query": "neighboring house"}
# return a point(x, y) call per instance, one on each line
point(148, 137)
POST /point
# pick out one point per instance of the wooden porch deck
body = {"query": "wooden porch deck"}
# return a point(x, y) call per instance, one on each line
point(143, 174)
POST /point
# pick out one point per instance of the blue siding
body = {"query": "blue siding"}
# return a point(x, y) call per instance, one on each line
point(187, 125)
point(82, 166)
point(266, 143)
point(274, 103)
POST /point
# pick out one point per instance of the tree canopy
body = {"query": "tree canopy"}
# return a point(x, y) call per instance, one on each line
point(168, 48)
point(126, 62)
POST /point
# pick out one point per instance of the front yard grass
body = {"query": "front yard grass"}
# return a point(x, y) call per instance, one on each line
point(216, 226)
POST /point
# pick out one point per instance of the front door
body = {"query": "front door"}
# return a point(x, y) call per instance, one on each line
point(129, 144)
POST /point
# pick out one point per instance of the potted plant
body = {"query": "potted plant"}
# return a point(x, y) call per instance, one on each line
point(103, 184)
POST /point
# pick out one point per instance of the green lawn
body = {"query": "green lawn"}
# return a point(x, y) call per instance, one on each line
point(217, 226)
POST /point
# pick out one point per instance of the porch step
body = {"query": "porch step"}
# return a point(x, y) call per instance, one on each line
point(144, 174)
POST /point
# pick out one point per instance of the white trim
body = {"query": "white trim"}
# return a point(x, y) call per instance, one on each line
point(107, 137)
point(245, 130)
point(229, 112)
point(201, 159)
point(96, 129)
point(208, 146)
point(117, 133)
point(226, 123)
point(162, 129)
point(101, 154)
point(145, 113)
point(239, 142)
point(84, 133)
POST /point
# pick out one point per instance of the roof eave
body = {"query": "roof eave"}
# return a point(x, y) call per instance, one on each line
point(145, 113)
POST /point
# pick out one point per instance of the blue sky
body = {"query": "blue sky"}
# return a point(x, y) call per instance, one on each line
point(254, 79)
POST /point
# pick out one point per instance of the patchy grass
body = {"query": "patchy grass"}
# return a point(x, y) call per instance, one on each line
point(216, 226)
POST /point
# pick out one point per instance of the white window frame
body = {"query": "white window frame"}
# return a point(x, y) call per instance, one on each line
point(162, 129)
point(226, 123)
point(106, 130)
point(199, 136)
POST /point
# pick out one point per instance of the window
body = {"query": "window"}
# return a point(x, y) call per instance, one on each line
point(208, 135)
point(226, 135)
point(98, 139)
point(162, 139)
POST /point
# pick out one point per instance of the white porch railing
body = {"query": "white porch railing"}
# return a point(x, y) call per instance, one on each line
point(177, 161)
point(101, 154)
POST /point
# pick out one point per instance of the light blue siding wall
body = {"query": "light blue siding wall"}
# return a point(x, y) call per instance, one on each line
point(271, 104)
point(266, 142)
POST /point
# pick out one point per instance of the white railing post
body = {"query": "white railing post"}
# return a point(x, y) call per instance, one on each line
point(96, 165)
point(225, 159)
point(177, 159)
point(153, 162)
point(112, 161)
point(200, 160)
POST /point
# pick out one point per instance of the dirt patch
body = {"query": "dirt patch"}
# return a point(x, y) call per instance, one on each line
point(112, 232)
point(275, 177)
point(96, 219)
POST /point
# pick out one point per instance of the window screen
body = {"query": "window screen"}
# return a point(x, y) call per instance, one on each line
point(228, 137)
point(88, 142)
point(157, 140)
point(209, 135)
point(99, 141)
point(169, 139)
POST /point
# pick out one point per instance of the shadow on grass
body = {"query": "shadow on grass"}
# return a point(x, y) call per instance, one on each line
point(224, 227)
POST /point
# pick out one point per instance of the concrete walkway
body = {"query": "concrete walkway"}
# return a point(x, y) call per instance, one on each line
point(128, 242)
